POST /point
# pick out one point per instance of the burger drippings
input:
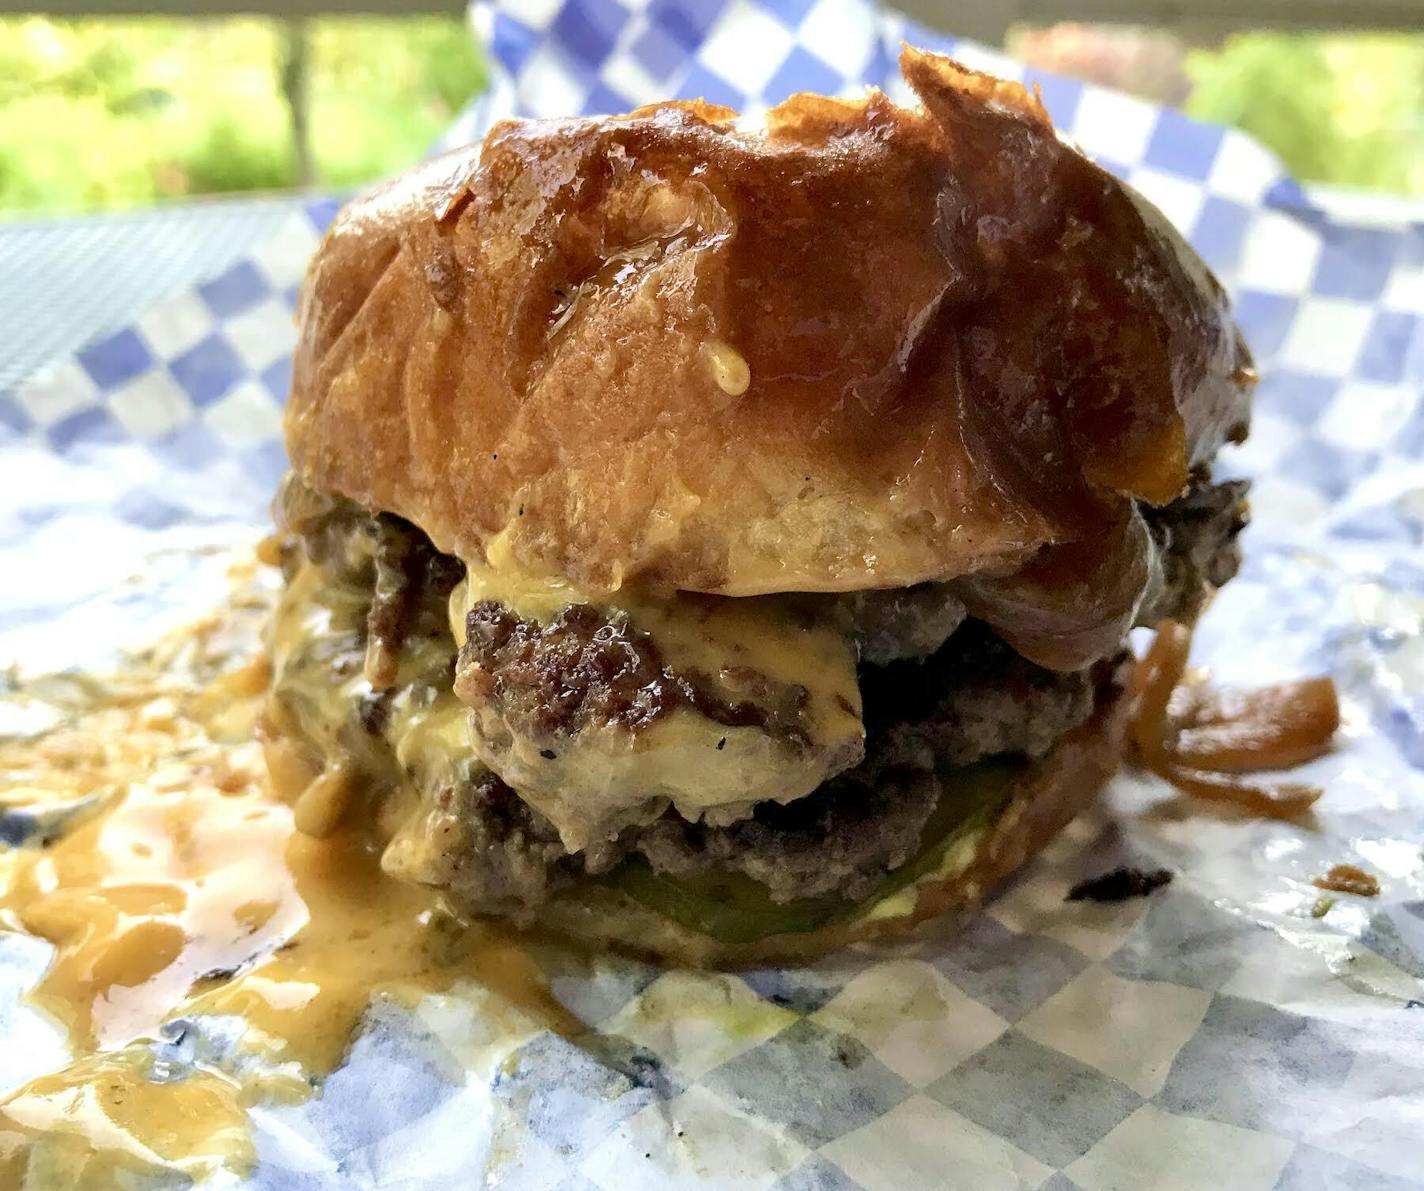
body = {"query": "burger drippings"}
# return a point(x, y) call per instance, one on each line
point(143, 842)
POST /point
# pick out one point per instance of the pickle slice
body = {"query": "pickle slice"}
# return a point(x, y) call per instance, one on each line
point(728, 906)
point(733, 908)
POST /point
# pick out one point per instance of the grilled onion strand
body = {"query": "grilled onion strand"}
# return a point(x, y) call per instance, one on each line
point(1194, 737)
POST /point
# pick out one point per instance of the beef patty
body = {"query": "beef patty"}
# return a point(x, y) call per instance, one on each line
point(939, 690)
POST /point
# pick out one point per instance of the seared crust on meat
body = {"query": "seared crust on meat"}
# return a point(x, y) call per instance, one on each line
point(1045, 799)
point(1199, 548)
point(657, 349)
point(586, 670)
point(972, 700)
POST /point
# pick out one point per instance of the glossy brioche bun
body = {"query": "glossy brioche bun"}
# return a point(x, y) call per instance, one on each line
point(1045, 798)
point(864, 347)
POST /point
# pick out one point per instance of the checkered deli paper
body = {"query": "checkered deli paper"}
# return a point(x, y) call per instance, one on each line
point(1213, 1036)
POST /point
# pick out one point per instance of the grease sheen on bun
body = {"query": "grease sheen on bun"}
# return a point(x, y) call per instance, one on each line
point(865, 347)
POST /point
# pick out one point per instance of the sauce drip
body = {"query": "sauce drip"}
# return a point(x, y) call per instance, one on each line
point(174, 888)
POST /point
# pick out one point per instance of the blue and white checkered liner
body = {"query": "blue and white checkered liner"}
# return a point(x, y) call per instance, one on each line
point(1215, 1036)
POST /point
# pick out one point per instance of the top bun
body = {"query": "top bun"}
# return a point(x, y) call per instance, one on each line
point(866, 346)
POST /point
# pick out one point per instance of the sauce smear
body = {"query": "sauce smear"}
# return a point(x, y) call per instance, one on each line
point(173, 887)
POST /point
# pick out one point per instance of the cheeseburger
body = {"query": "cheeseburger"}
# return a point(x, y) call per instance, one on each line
point(722, 543)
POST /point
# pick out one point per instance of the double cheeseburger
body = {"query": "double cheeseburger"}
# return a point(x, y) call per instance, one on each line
point(722, 543)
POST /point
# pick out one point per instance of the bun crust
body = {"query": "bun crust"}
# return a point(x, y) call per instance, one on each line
point(867, 347)
point(1044, 800)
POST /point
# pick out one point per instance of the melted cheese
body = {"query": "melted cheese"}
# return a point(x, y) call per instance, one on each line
point(422, 747)
point(957, 857)
point(182, 890)
point(322, 754)
point(605, 777)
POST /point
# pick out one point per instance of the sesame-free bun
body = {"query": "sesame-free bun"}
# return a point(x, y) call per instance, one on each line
point(864, 346)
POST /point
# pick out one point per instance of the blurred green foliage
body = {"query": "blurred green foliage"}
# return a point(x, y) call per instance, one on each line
point(383, 91)
point(106, 113)
point(1346, 110)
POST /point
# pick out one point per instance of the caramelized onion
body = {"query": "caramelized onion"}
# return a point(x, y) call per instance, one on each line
point(1071, 603)
point(1284, 800)
point(1192, 737)
point(1349, 878)
point(1276, 727)
point(1153, 681)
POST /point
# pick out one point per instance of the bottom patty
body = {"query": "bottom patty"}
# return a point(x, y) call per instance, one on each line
point(975, 698)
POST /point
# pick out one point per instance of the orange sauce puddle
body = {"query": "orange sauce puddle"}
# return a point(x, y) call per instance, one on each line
point(180, 889)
